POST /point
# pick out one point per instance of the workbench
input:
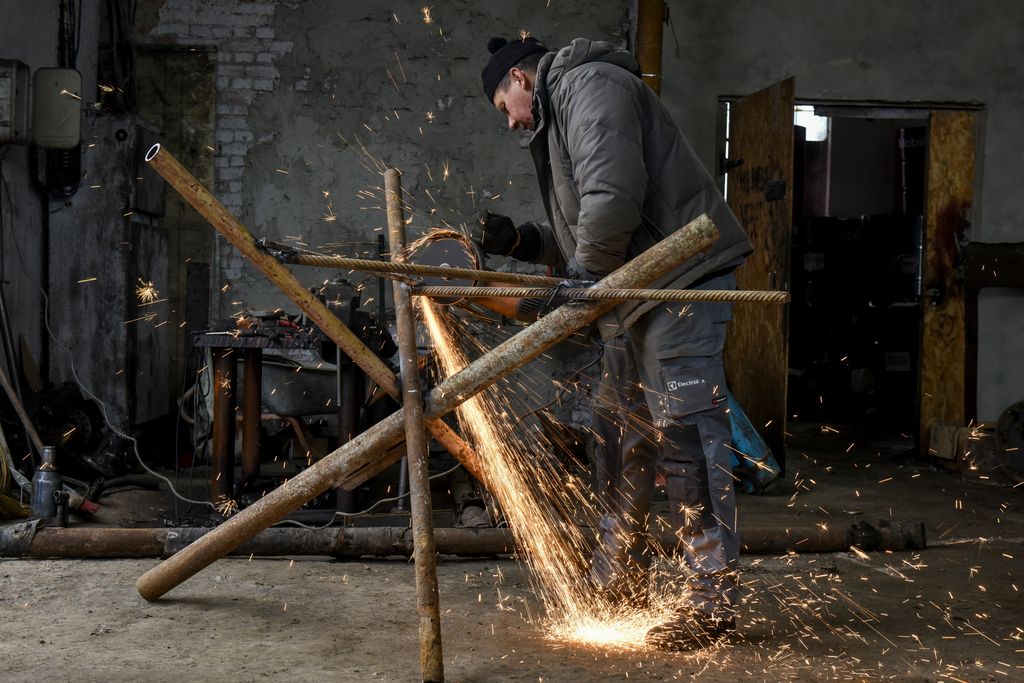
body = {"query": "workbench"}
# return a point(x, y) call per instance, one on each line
point(224, 348)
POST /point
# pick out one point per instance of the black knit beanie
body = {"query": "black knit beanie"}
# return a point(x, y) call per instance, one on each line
point(504, 56)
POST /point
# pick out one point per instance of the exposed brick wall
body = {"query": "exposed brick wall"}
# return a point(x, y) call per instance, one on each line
point(243, 34)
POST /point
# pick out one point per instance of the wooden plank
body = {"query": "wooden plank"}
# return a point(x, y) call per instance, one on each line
point(757, 350)
point(950, 192)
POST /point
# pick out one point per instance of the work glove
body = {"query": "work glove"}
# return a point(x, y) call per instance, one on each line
point(574, 271)
point(495, 234)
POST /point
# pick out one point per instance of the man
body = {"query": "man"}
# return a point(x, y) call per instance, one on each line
point(616, 176)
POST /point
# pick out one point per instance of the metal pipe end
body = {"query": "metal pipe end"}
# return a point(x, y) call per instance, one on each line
point(153, 151)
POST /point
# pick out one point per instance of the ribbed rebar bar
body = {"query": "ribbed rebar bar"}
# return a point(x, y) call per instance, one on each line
point(392, 268)
point(576, 293)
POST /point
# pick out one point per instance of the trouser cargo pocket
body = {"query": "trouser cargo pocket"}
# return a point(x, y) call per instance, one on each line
point(690, 385)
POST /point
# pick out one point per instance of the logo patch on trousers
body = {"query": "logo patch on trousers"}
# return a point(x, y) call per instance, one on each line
point(672, 385)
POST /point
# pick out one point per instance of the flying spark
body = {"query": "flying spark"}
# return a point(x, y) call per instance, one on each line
point(146, 292)
point(540, 508)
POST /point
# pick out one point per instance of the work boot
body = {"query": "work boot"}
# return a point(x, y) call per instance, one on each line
point(690, 629)
point(474, 516)
point(620, 566)
point(632, 592)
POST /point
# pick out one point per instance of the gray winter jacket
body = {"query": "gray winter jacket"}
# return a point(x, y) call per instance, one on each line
point(616, 175)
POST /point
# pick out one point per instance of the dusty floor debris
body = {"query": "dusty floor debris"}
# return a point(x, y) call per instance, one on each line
point(948, 613)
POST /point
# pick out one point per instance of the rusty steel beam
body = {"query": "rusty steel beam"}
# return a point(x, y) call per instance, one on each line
point(425, 553)
point(227, 225)
point(365, 450)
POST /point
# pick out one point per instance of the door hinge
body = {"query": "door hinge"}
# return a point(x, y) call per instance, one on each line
point(726, 165)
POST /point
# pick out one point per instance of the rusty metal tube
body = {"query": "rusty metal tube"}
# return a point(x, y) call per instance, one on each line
point(222, 454)
point(227, 225)
point(365, 451)
point(81, 542)
point(579, 294)
point(425, 553)
point(252, 381)
point(25, 541)
point(650, 33)
point(29, 541)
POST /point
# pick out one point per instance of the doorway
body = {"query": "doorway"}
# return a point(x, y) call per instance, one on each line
point(855, 279)
point(861, 210)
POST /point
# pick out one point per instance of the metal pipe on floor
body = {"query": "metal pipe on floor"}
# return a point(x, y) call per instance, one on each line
point(424, 551)
point(28, 540)
point(227, 225)
point(364, 452)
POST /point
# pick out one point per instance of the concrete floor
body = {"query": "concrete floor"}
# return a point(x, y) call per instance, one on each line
point(952, 612)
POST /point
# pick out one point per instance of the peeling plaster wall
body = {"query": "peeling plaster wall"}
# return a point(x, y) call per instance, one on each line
point(406, 94)
point(943, 51)
point(315, 98)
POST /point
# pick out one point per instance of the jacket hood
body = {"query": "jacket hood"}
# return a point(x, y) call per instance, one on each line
point(585, 51)
point(581, 51)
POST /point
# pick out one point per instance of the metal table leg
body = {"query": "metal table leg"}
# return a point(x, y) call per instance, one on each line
point(222, 458)
point(252, 392)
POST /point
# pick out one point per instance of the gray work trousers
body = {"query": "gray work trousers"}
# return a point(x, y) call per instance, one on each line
point(661, 405)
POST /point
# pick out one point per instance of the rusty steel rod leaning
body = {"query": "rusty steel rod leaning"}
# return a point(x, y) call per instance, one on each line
point(28, 540)
point(237, 234)
point(424, 550)
point(365, 450)
point(19, 408)
point(587, 294)
point(414, 269)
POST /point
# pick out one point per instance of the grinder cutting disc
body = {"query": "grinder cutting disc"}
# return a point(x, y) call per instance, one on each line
point(449, 249)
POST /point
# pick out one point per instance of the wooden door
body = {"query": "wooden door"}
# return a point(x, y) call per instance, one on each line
point(950, 192)
point(760, 190)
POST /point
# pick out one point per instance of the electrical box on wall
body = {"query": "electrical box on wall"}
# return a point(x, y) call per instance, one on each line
point(56, 108)
point(14, 102)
